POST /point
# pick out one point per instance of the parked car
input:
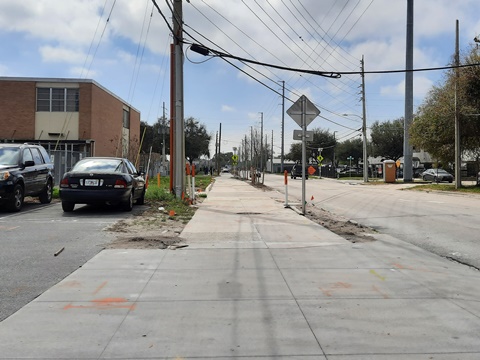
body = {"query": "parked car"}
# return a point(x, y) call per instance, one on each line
point(297, 171)
point(100, 180)
point(437, 175)
point(25, 170)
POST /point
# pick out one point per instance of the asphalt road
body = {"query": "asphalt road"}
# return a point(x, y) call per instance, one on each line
point(30, 239)
point(443, 223)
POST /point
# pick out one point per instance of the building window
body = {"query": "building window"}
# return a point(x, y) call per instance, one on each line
point(43, 99)
point(126, 119)
point(57, 99)
point(72, 100)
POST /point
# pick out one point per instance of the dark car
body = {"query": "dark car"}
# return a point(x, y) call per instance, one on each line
point(297, 171)
point(102, 180)
point(437, 175)
point(25, 170)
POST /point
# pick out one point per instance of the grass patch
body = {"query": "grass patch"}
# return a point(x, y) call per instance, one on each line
point(444, 187)
point(161, 196)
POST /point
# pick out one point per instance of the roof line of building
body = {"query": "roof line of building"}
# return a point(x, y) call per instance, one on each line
point(67, 80)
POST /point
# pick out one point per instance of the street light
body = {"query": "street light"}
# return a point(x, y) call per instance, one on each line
point(364, 133)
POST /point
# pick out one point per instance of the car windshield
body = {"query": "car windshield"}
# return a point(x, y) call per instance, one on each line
point(9, 156)
point(439, 171)
point(98, 165)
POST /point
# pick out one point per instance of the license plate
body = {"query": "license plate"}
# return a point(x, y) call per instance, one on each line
point(91, 182)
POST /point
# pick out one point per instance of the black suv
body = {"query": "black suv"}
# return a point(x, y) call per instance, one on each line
point(297, 171)
point(25, 170)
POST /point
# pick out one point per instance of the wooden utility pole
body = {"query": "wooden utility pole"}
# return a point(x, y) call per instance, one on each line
point(179, 157)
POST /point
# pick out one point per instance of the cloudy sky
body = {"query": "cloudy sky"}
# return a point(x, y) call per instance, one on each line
point(124, 46)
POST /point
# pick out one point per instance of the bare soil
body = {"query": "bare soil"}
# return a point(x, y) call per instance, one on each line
point(156, 229)
point(348, 229)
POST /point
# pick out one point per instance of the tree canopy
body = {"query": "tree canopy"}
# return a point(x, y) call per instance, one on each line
point(323, 142)
point(347, 148)
point(197, 139)
point(433, 129)
point(387, 139)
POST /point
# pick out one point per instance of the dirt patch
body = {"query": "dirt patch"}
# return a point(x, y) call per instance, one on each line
point(154, 228)
point(348, 229)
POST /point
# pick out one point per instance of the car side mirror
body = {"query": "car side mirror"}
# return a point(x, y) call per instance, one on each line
point(29, 163)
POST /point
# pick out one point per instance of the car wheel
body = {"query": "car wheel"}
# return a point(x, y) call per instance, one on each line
point(16, 202)
point(46, 196)
point(128, 205)
point(424, 178)
point(141, 199)
point(435, 179)
point(68, 206)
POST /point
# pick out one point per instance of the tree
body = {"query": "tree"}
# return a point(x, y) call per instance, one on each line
point(323, 143)
point(153, 136)
point(197, 140)
point(387, 139)
point(347, 148)
point(223, 159)
point(433, 129)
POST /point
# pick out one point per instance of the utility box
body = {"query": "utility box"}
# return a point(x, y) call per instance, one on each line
point(389, 171)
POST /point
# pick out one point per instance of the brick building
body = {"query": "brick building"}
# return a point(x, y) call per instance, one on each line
point(71, 118)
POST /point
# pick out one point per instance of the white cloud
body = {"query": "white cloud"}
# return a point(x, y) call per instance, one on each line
point(227, 108)
point(61, 54)
point(421, 86)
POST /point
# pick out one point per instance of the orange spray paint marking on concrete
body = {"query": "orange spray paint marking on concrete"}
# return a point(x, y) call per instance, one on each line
point(102, 285)
point(385, 296)
point(105, 303)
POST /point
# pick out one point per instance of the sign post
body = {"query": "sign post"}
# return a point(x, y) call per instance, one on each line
point(350, 158)
point(303, 111)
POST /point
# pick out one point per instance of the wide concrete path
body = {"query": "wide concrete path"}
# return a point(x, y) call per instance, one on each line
point(257, 281)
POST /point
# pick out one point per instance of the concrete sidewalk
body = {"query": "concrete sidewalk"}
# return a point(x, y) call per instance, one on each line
point(257, 281)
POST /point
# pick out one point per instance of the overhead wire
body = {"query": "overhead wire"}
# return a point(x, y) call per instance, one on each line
point(68, 117)
point(218, 13)
point(136, 70)
point(303, 40)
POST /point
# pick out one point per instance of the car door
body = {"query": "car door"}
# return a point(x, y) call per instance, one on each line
point(29, 172)
point(41, 170)
point(138, 180)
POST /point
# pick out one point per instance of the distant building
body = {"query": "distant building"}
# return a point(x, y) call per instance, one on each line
point(71, 118)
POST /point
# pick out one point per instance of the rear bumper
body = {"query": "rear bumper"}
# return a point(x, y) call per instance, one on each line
point(82, 196)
